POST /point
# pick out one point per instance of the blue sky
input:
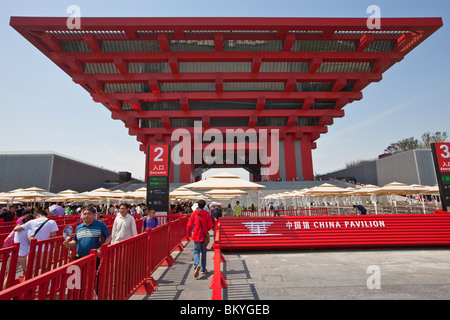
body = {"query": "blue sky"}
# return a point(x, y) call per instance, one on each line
point(42, 109)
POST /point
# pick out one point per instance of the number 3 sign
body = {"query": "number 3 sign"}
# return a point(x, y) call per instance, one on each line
point(443, 156)
point(158, 160)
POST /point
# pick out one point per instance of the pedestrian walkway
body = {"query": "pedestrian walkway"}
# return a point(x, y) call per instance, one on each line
point(403, 274)
point(177, 282)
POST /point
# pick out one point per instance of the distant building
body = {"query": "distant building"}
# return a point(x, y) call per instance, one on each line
point(410, 167)
point(53, 172)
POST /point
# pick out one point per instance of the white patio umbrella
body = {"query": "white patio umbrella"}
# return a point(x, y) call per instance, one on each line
point(226, 192)
point(224, 180)
point(227, 180)
point(32, 193)
point(367, 191)
point(326, 190)
point(394, 189)
point(432, 190)
point(183, 193)
point(420, 190)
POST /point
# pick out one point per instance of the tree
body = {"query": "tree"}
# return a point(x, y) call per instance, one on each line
point(412, 143)
point(428, 138)
point(408, 144)
point(402, 145)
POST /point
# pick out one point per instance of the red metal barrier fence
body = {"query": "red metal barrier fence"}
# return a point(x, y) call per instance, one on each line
point(73, 281)
point(124, 266)
point(8, 260)
point(46, 255)
point(218, 280)
point(288, 212)
point(335, 231)
point(129, 264)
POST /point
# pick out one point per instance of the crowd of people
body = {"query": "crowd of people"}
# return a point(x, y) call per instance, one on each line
point(90, 233)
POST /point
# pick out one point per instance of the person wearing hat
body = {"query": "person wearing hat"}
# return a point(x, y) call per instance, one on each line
point(199, 225)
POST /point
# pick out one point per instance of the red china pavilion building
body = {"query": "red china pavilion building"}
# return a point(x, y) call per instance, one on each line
point(291, 74)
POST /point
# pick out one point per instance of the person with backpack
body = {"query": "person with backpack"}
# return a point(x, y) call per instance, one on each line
point(199, 225)
point(41, 228)
point(150, 221)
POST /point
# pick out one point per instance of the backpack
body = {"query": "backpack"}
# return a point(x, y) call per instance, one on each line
point(9, 241)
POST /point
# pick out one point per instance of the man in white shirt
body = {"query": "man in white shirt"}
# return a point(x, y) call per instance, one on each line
point(48, 229)
point(124, 226)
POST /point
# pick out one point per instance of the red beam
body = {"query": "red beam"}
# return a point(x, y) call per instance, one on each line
point(121, 64)
point(308, 103)
point(164, 131)
point(154, 85)
point(136, 104)
point(92, 41)
point(173, 64)
point(288, 42)
point(252, 120)
point(219, 84)
point(51, 41)
point(260, 102)
point(229, 96)
point(227, 77)
point(290, 84)
point(163, 42)
point(315, 64)
point(226, 56)
point(218, 41)
point(75, 65)
point(184, 103)
point(339, 84)
point(193, 114)
point(256, 64)
point(365, 42)
point(292, 119)
point(218, 23)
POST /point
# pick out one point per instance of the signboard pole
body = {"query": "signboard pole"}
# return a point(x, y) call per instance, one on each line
point(441, 158)
point(158, 173)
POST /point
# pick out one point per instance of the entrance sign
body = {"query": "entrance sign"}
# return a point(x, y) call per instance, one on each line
point(352, 231)
point(158, 172)
point(441, 157)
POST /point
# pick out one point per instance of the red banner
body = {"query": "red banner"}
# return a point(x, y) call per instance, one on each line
point(334, 231)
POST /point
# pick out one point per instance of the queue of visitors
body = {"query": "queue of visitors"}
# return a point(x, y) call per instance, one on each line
point(91, 232)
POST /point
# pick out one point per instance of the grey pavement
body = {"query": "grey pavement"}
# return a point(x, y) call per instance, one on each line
point(358, 274)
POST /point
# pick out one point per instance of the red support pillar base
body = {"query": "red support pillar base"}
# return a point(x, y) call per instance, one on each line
point(179, 247)
point(148, 287)
point(169, 261)
point(223, 281)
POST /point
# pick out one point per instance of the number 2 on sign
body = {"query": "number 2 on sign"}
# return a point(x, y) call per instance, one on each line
point(158, 156)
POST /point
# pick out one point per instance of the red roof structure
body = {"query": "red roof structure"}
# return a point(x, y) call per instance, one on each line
point(291, 74)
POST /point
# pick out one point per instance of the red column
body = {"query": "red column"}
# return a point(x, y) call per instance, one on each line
point(269, 148)
point(166, 140)
point(307, 166)
point(289, 157)
point(187, 169)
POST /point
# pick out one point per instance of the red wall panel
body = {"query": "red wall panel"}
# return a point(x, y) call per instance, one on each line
point(335, 231)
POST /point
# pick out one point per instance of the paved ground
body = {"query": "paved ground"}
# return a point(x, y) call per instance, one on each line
point(360, 274)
